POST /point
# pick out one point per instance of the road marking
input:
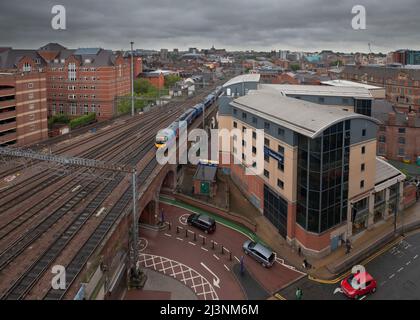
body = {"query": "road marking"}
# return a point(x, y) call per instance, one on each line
point(204, 249)
point(338, 290)
point(392, 276)
point(279, 296)
point(192, 243)
point(362, 297)
point(415, 257)
point(382, 283)
point(142, 244)
point(237, 259)
point(400, 269)
point(226, 267)
point(407, 263)
point(216, 280)
point(183, 219)
point(216, 256)
point(168, 235)
point(226, 250)
point(179, 239)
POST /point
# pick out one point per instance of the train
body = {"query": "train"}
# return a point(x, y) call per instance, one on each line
point(169, 135)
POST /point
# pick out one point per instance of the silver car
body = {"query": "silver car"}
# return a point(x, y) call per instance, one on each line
point(260, 253)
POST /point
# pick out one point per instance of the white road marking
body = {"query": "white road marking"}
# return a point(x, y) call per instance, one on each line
point(204, 249)
point(192, 243)
point(183, 219)
point(400, 269)
point(362, 297)
point(216, 256)
point(407, 263)
point(142, 244)
point(237, 259)
point(226, 267)
point(180, 239)
point(216, 280)
point(416, 256)
point(392, 276)
point(168, 235)
point(382, 283)
point(226, 250)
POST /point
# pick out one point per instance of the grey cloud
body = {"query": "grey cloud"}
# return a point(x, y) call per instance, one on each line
point(234, 24)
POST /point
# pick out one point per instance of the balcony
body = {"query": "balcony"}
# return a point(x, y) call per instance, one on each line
point(8, 126)
point(7, 114)
point(7, 92)
point(7, 137)
point(7, 103)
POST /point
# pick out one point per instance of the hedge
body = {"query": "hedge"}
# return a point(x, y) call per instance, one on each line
point(80, 121)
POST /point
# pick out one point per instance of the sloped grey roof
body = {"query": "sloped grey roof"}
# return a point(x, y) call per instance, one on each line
point(307, 118)
point(385, 171)
point(10, 58)
point(250, 77)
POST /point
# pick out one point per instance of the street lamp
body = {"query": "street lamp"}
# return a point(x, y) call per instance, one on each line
point(132, 80)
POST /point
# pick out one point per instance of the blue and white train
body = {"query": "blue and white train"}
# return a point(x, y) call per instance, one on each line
point(171, 133)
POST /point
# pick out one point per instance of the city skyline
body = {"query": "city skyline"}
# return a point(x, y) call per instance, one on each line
point(234, 25)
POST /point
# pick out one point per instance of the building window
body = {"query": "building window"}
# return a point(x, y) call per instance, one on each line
point(254, 150)
point(30, 85)
point(281, 150)
point(362, 184)
point(243, 115)
point(266, 125)
point(363, 150)
point(266, 174)
point(72, 71)
point(235, 111)
point(254, 120)
point(267, 142)
point(401, 140)
point(31, 106)
point(321, 100)
point(280, 166)
point(364, 133)
point(31, 117)
point(382, 139)
point(26, 67)
point(401, 152)
point(86, 110)
point(266, 158)
point(401, 130)
point(30, 96)
point(243, 129)
point(280, 132)
point(280, 184)
point(362, 167)
point(254, 135)
point(235, 125)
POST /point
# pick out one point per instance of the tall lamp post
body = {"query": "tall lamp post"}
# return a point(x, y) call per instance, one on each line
point(132, 80)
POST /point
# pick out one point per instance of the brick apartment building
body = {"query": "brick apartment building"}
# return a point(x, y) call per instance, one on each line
point(23, 108)
point(402, 84)
point(399, 134)
point(77, 81)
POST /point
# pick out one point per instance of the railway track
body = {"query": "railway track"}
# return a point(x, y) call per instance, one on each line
point(32, 274)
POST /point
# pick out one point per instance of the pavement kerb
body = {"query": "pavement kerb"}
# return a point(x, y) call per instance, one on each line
point(229, 224)
point(365, 261)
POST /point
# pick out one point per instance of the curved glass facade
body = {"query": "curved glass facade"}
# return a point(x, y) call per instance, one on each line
point(323, 171)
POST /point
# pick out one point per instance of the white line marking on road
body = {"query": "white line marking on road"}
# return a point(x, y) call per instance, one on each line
point(237, 259)
point(392, 276)
point(382, 283)
point(416, 256)
point(179, 239)
point(407, 263)
point(400, 269)
point(226, 250)
point(216, 280)
point(226, 267)
point(216, 256)
point(192, 243)
point(362, 297)
point(168, 235)
point(204, 249)
point(215, 242)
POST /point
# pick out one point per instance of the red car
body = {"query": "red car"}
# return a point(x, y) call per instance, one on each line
point(357, 285)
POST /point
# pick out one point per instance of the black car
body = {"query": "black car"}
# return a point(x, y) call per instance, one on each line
point(203, 222)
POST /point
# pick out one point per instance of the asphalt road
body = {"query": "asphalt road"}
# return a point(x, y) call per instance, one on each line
point(397, 272)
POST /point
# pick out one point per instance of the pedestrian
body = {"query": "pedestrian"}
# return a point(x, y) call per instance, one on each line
point(306, 264)
point(299, 294)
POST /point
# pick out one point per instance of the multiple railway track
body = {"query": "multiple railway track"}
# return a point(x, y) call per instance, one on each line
point(43, 214)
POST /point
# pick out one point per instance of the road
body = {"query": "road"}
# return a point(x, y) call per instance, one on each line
point(396, 272)
point(210, 273)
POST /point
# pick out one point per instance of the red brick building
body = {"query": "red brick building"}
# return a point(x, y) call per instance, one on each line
point(77, 81)
point(23, 108)
point(155, 79)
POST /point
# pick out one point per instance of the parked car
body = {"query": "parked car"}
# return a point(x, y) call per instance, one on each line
point(260, 253)
point(358, 285)
point(203, 222)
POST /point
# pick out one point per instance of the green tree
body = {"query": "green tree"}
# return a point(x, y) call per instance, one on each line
point(171, 79)
point(294, 67)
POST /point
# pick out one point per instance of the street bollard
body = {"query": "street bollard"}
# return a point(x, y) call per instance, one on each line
point(195, 236)
point(212, 244)
point(204, 241)
point(169, 226)
point(223, 250)
point(177, 229)
point(186, 233)
point(230, 256)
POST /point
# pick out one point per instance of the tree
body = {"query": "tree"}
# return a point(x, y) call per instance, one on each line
point(294, 67)
point(171, 80)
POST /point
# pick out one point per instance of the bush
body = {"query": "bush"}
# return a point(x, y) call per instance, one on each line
point(60, 118)
point(83, 120)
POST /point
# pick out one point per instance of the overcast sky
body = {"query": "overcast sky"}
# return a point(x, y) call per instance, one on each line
point(307, 25)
